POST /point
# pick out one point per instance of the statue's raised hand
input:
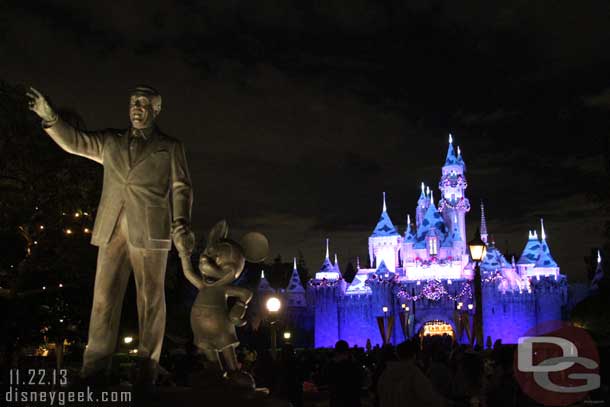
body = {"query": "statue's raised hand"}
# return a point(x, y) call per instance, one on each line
point(39, 105)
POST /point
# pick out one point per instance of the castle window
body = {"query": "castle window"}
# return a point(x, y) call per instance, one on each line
point(433, 246)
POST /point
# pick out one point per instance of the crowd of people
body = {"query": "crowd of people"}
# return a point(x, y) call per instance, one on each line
point(427, 371)
point(433, 371)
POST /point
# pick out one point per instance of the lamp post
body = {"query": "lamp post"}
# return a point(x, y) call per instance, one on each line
point(273, 305)
point(478, 249)
point(405, 320)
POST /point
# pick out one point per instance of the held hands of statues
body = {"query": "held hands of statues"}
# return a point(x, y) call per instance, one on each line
point(39, 105)
point(184, 239)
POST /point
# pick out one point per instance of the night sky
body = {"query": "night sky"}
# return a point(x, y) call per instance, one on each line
point(296, 115)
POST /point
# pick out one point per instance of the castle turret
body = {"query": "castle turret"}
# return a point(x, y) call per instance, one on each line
point(337, 268)
point(422, 205)
point(324, 292)
point(530, 254)
point(545, 264)
point(328, 270)
point(264, 291)
point(264, 288)
point(407, 242)
point(295, 292)
point(385, 241)
point(453, 185)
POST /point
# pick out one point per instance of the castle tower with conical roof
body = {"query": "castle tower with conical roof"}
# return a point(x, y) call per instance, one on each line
point(295, 293)
point(453, 186)
point(384, 243)
point(422, 205)
point(328, 270)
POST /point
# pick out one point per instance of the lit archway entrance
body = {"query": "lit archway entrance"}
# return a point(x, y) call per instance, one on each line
point(436, 327)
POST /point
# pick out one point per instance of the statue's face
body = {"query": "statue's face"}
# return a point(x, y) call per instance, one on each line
point(221, 264)
point(141, 112)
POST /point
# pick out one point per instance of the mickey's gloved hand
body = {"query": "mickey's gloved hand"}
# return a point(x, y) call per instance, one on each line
point(237, 314)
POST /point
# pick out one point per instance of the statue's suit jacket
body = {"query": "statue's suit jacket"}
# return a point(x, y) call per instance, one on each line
point(154, 191)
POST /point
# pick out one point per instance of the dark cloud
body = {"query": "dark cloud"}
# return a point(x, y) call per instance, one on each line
point(297, 115)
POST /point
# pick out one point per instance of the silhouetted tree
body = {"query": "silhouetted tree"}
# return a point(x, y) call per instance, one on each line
point(46, 213)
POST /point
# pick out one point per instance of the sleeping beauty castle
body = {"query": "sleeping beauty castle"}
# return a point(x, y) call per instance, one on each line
point(420, 280)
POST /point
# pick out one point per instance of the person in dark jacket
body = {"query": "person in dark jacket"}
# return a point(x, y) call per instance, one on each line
point(344, 376)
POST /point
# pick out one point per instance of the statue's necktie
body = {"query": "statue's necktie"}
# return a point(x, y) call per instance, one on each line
point(136, 144)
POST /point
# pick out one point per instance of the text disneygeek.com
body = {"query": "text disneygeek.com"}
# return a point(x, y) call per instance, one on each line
point(62, 398)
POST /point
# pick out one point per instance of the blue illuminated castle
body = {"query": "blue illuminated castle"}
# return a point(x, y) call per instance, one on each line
point(421, 279)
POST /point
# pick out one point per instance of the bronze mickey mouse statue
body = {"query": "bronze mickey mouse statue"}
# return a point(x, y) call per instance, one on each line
point(221, 263)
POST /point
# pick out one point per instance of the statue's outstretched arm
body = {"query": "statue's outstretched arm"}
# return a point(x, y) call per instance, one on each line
point(86, 144)
point(189, 273)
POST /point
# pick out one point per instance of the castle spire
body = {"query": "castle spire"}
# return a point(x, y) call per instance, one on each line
point(451, 158)
point(460, 159)
point(431, 198)
point(327, 270)
point(384, 226)
point(483, 224)
point(295, 289)
point(545, 259)
point(336, 261)
point(423, 191)
point(263, 284)
point(357, 262)
point(294, 263)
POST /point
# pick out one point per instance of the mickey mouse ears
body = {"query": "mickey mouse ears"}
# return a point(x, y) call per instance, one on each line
point(255, 246)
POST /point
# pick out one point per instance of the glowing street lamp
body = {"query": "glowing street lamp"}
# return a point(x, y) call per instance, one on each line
point(127, 340)
point(273, 305)
point(478, 249)
point(287, 335)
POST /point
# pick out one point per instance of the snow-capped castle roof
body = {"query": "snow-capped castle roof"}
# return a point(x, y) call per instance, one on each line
point(432, 220)
point(263, 284)
point(409, 234)
point(382, 269)
point(294, 285)
point(494, 260)
point(384, 226)
point(451, 157)
point(328, 270)
point(531, 251)
point(460, 159)
point(545, 259)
